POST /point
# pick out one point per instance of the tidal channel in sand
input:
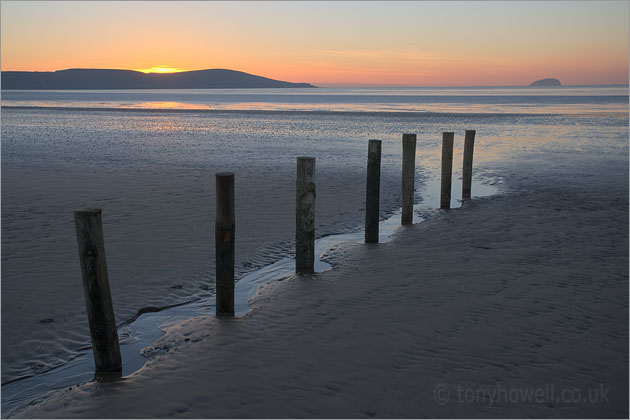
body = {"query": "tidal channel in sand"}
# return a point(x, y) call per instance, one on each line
point(148, 327)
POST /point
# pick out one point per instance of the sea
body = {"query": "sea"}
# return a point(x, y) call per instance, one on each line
point(148, 158)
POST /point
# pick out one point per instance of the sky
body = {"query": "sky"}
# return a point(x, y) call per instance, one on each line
point(356, 43)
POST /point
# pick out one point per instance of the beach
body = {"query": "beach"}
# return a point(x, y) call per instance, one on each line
point(152, 173)
point(153, 176)
point(314, 210)
point(461, 315)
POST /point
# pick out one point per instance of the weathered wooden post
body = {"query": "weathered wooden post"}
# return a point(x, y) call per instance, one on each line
point(469, 144)
point(447, 170)
point(224, 230)
point(408, 176)
point(98, 300)
point(372, 190)
point(305, 215)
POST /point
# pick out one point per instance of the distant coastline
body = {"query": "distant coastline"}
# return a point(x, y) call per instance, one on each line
point(130, 79)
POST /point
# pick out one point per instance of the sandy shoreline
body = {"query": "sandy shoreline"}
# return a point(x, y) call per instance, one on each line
point(153, 174)
point(523, 292)
point(157, 195)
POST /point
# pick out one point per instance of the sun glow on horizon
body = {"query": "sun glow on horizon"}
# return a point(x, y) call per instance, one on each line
point(162, 69)
point(513, 43)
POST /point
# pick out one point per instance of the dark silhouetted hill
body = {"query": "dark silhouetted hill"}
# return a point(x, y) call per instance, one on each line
point(129, 79)
point(547, 82)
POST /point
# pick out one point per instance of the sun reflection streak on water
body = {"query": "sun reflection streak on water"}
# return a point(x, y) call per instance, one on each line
point(566, 100)
point(165, 105)
point(455, 108)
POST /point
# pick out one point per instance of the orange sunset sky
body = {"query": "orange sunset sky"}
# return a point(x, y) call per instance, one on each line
point(329, 43)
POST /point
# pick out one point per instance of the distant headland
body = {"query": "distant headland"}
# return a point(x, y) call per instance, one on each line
point(130, 79)
point(547, 82)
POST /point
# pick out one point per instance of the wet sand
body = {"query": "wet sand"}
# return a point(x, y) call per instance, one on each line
point(156, 188)
point(459, 316)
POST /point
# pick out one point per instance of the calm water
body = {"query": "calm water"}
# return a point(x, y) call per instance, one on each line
point(148, 158)
point(466, 100)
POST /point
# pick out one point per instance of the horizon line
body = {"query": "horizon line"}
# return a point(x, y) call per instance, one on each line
point(174, 70)
point(465, 86)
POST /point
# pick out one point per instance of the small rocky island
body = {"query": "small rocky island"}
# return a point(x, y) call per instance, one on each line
point(547, 82)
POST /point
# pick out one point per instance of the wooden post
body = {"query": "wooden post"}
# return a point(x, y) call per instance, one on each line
point(98, 300)
point(408, 177)
point(372, 190)
point(224, 230)
point(469, 144)
point(447, 170)
point(305, 215)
